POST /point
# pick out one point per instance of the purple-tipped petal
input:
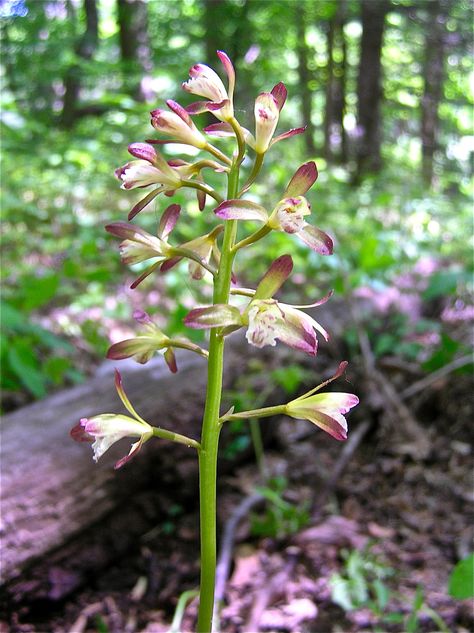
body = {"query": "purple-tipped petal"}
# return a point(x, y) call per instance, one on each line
point(293, 132)
point(169, 264)
point(218, 315)
point(170, 360)
point(317, 240)
point(217, 105)
point(144, 275)
point(241, 210)
point(168, 220)
point(79, 433)
point(280, 93)
point(126, 231)
point(303, 179)
point(123, 396)
point(198, 107)
point(179, 110)
point(141, 317)
point(229, 69)
point(219, 129)
point(144, 202)
point(201, 198)
point(274, 278)
point(143, 151)
point(133, 452)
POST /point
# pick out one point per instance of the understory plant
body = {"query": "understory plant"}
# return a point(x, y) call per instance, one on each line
point(213, 257)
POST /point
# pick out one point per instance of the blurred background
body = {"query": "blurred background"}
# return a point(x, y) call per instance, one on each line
point(385, 90)
point(382, 86)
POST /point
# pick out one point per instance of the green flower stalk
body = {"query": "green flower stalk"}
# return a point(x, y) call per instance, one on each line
point(211, 258)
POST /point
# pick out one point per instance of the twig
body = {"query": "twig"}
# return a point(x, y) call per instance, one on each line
point(436, 375)
point(417, 443)
point(227, 546)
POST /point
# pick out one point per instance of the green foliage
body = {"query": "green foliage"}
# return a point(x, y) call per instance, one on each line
point(59, 189)
point(22, 346)
point(281, 518)
point(362, 582)
point(362, 585)
point(461, 580)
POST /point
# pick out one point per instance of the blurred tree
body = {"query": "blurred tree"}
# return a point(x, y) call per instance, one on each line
point(85, 49)
point(304, 75)
point(435, 40)
point(335, 138)
point(369, 85)
point(135, 52)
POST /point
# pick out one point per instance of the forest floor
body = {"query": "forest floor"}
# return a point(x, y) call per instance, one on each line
point(392, 526)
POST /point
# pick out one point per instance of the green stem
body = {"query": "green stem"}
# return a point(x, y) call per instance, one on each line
point(194, 184)
point(266, 412)
point(253, 174)
point(257, 442)
point(218, 154)
point(211, 426)
point(175, 437)
point(261, 232)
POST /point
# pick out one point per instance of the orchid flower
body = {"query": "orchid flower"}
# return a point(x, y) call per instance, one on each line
point(288, 215)
point(205, 82)
point(152, 339)
point(267, 110)
point(326, 410)
point(267, 320)
point(106, 429)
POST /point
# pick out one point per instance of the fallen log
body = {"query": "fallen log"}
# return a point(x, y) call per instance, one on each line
point(65, 518)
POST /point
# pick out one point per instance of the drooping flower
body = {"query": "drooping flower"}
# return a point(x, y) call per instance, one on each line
point(106, 429)
point(151, 340)
point(143, 346)
point(288, 215)
point(205, 82)
point(326, 410)
point(138, 246)
point(267, 320)
point(178, 124)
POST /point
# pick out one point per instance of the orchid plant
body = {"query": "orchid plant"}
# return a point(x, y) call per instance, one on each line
point(212, 256)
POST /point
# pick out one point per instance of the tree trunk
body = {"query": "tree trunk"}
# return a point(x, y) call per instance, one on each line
point(85, 49)
point(335, 138)
point(304, 78)
point(433, 86)
point(135, 51)
point(369, 86)
point(65, 518)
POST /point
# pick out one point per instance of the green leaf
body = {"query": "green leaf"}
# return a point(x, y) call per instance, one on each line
point(37, 291)
point(382, 593)
point(25, 365)
point(461, 580)
point(341, 593)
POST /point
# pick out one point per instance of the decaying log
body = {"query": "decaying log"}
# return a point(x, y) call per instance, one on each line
point(63, 517)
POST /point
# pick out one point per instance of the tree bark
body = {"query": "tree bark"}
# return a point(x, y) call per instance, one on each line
point(433, 84)
point(85, 49)
point(304, 78)
point(64, 517)
point(369, 86)
point(134, 42)
point(335, 138)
